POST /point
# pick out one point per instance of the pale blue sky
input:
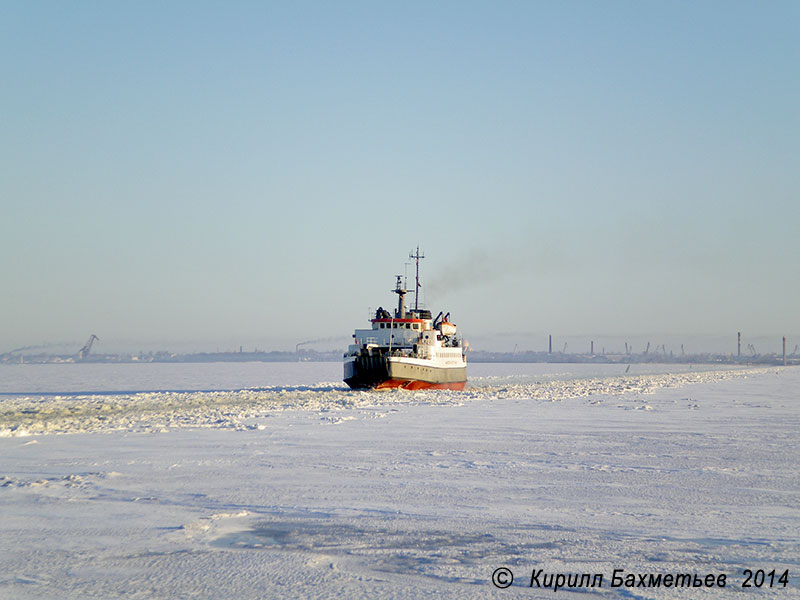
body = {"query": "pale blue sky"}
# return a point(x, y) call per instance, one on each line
point(212, 174)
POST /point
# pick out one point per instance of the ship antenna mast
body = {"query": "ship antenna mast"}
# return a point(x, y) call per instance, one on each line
point(416, 256)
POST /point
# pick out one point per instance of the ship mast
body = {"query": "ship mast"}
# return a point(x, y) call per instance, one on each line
point(416, 256)
point(401, 300)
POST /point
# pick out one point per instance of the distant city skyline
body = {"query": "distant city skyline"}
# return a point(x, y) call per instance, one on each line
point(201, 175)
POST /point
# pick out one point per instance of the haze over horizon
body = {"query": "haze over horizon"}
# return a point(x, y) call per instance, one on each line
point(207, 174)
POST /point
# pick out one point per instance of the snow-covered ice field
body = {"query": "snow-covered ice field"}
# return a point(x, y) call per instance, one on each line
point(273, 480)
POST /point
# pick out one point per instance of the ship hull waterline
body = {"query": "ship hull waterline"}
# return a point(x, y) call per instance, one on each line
point(411, 384)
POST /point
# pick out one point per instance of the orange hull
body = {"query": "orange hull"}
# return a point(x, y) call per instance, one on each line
point(413, 384)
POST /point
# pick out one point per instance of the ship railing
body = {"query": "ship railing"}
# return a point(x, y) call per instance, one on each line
point(405, 352)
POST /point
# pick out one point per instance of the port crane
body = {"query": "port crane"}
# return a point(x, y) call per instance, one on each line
point(87, 347)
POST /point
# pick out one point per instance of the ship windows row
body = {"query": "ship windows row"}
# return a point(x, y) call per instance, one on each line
point(399, 325)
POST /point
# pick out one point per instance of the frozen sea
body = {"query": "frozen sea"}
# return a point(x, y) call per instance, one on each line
point(272, 480)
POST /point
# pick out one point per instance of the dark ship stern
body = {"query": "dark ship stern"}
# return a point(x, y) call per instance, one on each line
point(366, 371)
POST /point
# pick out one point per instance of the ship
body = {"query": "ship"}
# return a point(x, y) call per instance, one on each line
point(406, 349)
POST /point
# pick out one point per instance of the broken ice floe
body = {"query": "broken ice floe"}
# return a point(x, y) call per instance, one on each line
point(239, 409)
